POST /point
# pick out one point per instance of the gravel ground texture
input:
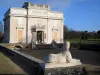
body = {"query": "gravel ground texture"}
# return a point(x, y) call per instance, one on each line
point(90, 59)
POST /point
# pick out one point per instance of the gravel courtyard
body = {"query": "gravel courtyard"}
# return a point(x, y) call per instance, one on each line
point(90, 59)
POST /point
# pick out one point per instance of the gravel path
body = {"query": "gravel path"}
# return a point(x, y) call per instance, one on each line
point(90, 59)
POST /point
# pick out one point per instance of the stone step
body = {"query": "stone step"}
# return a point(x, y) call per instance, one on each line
point(47, 46)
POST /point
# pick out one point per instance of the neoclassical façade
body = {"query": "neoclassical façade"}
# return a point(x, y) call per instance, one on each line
point(33, 22)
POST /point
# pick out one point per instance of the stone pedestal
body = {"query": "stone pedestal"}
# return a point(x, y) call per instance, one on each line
point(33, 44)
point(74, 70)
point(62, 63)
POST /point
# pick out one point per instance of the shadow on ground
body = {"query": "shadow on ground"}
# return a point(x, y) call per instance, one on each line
point(28, 67)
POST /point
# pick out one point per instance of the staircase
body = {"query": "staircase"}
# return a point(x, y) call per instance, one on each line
point(44, 46)
point(47, 46)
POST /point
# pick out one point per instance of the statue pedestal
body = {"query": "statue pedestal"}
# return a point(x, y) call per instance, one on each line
point(56, 65)
point(62, 63)
point(69, 70)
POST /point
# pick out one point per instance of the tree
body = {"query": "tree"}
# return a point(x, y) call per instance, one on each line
point(65, 32)
point(98, 33)
point(1, 31)
point(1, 37)
point(1, 27)
point(85, 35)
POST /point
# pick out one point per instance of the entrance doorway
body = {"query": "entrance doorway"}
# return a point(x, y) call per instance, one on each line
point(40, 37)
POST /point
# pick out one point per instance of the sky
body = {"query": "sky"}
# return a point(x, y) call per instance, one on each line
point(79, 15)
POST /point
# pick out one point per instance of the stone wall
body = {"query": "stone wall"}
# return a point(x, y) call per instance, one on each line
point(76, 70)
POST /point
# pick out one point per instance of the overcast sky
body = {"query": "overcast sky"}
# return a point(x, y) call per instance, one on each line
point(78, 14)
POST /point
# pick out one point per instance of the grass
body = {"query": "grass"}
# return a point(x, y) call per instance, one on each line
point(7, 66)
point(88, 41)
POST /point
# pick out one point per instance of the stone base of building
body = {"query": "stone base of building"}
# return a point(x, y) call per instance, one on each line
point(73, 70)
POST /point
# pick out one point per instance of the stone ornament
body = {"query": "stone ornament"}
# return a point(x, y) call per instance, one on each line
point(63, 57)
point(54, 44)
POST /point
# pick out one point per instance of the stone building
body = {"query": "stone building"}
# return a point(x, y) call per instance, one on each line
point(33, 22)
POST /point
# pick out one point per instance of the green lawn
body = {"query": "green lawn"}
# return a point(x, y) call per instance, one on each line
point(88, 41)
point(7, 66)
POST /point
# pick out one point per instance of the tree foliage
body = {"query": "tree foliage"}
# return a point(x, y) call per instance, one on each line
point(73, 34)
point(1, 27)
point(1, 31)
point(65, 32)
point(98, 33)
point(1, 37)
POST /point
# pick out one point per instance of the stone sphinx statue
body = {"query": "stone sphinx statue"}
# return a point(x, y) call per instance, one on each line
point(63, 57)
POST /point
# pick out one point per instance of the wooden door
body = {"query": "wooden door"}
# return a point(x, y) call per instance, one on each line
point(20, 35)
point(55, 35)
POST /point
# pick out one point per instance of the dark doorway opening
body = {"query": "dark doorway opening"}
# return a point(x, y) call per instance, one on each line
point(40, 37)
